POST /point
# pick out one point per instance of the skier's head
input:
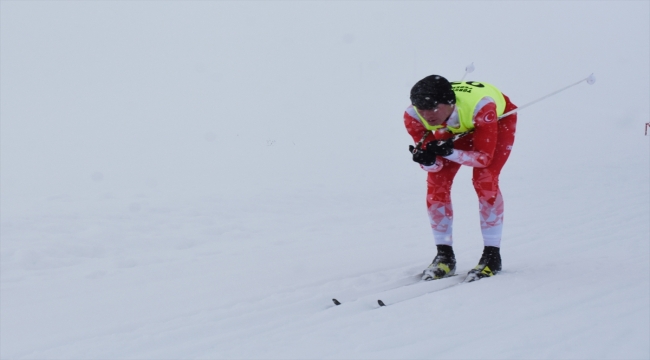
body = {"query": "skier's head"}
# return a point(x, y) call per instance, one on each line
point(433, 100)
point(431, 91)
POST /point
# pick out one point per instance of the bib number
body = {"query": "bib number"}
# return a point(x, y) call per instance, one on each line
point(467, 86)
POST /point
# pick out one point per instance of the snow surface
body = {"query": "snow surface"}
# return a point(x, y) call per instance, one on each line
point(200, 179)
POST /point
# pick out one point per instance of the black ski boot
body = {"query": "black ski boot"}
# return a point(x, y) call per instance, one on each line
point(489, 265)
point(443, 265)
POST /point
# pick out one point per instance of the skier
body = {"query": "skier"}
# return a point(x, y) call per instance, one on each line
point(439, 110)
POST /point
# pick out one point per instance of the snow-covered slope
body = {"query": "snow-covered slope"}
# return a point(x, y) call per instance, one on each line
point(200, 179)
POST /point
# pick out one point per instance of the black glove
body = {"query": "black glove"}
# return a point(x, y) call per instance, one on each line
point(421, 156)
point(440, 147)
point(427, 157)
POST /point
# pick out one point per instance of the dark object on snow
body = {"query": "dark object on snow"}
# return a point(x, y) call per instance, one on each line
point(336, 302)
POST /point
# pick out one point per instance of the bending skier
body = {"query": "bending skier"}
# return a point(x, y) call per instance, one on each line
point(439, 111)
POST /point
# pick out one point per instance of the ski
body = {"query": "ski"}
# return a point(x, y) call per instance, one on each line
point(409, 290)
point(383, 304)
point(404, 282)
point(468, 279)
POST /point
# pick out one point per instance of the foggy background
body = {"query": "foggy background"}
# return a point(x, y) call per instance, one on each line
point(189, 99)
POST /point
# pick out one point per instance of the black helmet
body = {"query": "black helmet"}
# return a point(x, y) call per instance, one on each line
point(427, 93)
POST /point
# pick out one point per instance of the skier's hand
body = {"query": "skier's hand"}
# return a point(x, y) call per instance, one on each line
point(440, 147)
point(421, 156)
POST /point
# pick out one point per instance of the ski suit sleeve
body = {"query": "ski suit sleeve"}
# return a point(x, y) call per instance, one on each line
point(485, 139)
point(417, 130)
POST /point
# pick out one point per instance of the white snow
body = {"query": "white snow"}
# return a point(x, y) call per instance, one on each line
point(200, 179)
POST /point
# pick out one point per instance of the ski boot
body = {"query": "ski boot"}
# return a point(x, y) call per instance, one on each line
point(443, 265)
point(489, 265)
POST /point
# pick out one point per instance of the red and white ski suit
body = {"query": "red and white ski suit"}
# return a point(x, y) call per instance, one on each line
point(486, 149)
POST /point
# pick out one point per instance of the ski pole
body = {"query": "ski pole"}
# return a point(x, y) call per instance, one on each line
point(589, 79)
point(419, 144)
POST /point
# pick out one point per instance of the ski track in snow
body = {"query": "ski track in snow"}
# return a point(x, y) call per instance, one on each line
point(166, 298)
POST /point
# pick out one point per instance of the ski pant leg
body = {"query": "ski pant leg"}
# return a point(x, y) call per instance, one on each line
point(486, 184)
point(439, 202)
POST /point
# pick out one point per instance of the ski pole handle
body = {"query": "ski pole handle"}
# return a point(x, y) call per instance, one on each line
point(468, 69)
